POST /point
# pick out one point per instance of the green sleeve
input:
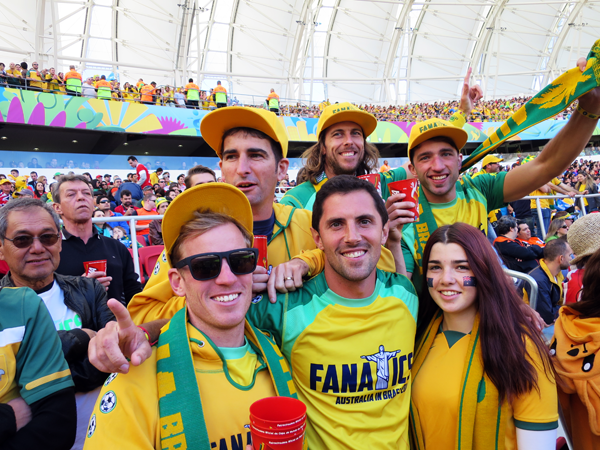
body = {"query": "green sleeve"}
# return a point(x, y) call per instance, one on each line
point(289, 199)
point(390, 176)
point(268, 316)
point(41, 366)
point(409, 260)
point(492, 188)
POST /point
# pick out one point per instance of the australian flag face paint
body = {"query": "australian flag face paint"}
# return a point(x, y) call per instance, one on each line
point(430, 282)
point(469, 281)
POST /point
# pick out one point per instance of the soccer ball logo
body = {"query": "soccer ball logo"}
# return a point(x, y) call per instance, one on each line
point(92, 426)
point(108, 402)
point(111, 377)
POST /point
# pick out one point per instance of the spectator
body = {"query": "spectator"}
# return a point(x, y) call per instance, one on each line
point(73, 81)
point(584, 239)
point(514, 254)
point(155, 228)
point(524, 235)
point(101, 227)
point(87, 89)
point(33, 164)
point(155, 176)
point(77, 305)
point(6, 188)
point(167, 178)
point(34, 176)
point(171, 194)
point(574, 350)
point(74, 203)
point(120, 235)
point(386, 167)
point(199, 175)
point(558, 229)
point(181, 182)
point(37, 402)
point(40, 190)
point(557, 257)
point(103, 205)
point(135, 191)
point(126, 207)
point(180, 98)
point(272, 100)
point(585, 185)
point(141, 171)
point(220, 95)
point(148, 209)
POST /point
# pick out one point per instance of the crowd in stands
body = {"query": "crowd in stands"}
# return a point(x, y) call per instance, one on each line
point(372, 311)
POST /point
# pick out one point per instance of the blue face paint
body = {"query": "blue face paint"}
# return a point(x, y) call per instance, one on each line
point(430, 282)
point(469, 281)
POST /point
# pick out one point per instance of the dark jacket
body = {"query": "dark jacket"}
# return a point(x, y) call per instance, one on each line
point(549, 292)
point(155, 232)
point(516, 256)
point(87, 298)
point(593, 202)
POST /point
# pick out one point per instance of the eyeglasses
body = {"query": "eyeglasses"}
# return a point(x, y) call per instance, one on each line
point(206, 266)
point(25, 241)
point(564, 226)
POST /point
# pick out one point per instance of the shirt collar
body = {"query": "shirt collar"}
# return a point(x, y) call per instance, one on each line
point(66, 235)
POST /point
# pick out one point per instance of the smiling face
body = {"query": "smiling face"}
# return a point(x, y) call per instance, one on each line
point(33, 266)
point(446, 272)
point(351, 234)
point(249, 164)
point(436, 164)
point(524, 232)
point(344, 148)
point(218, 305)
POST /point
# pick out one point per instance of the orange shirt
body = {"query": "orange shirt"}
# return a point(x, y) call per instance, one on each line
point(72, 74)
point(147, 91)
point(103, 83)
point(272, 95)
point(143, 212)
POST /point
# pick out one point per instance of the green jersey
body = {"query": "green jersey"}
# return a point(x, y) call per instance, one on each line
point(350, 359)
point(32, 364)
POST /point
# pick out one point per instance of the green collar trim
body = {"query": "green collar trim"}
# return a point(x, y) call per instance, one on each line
point(231, 353)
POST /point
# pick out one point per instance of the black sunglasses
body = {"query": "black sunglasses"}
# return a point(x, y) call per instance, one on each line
point(206, 266)
point(25, 241)
point(103, 201)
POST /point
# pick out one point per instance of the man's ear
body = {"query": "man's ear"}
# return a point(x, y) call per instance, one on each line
point(177, 282)
point(385, 232)
point(57, 208)
point(412, 169)
point(2, 251)
point(317, 237)
point(282, 168)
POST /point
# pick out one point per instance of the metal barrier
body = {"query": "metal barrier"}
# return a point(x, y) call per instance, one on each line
point(537, 199)
point(131, 220)
point(529, 279)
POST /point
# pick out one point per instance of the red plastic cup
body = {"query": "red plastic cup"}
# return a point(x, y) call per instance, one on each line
point(278, 413)
point(374, 179)
point(260, 242)
point(94, 266)
point(278, 440)
point(411, 189)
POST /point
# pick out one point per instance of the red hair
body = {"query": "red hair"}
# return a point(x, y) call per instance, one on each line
point(503, 326)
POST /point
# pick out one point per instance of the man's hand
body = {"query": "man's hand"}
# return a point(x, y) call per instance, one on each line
point(470, 94)
point(130, 211)
point(399, 214)
point(101, 277)
point(90, 333)
point(260, 277)
point(109, 349)
point(22, 412)
point(286, 277)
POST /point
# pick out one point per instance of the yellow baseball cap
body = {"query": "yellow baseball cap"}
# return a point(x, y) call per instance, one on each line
point(346, 112)
point(490, 159)
point(429, 129)
point(215, 124)
point(218, 197)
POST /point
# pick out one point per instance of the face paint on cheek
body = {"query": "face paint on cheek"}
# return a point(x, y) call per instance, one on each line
point(430, 282)
point(469, 281)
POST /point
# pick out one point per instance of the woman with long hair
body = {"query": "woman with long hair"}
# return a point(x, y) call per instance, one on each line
point(574, 349)
point(585, 185)
point(40, 190)
point(482, 378)
point(558, 229)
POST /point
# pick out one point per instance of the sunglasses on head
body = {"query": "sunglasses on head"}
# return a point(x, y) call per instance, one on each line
point(25, 240)
point(206, 266)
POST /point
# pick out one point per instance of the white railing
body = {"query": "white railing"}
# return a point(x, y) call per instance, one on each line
point(131, 220)
point(537, 199)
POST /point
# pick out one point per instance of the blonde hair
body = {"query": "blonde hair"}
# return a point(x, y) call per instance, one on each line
point(205, 220)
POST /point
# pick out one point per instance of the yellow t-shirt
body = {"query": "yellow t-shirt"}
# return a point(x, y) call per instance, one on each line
point(436, 393)
point(544, 203)
point(581, 189)
point(133, 421)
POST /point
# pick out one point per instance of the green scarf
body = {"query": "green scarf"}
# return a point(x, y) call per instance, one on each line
point(181, 417)
point(550, 101)
point(481, 419)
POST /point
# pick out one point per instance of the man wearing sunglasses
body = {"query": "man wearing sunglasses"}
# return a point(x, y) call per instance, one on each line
point(210, 364)
point(30, 244)
point(103, 204)
point(252, 145)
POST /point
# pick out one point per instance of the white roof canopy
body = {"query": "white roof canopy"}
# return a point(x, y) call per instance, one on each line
point(381, 52)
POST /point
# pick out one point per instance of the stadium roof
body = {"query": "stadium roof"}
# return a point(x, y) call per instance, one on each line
point(381, 51)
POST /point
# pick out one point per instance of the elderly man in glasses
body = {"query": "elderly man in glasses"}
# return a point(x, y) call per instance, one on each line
point(30, 244)
point(210, 364)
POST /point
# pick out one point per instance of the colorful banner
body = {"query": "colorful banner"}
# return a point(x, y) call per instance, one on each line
point(44, 108)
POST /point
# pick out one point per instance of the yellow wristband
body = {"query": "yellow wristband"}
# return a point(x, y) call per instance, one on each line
point(587, 114)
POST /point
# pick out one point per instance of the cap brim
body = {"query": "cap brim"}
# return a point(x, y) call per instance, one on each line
point(367, 121)
point(218, 197)
point(457, 135)
point(216, 123)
